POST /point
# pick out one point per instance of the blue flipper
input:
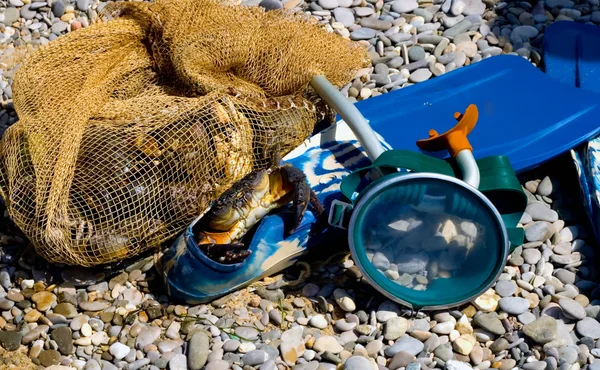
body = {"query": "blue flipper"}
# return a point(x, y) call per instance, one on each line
point(513, 98)
point(572, 57)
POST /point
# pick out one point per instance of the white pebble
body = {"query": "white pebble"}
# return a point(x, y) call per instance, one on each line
point(86, 330)
point(246, 347)
point(27, 284)
point(318, 321)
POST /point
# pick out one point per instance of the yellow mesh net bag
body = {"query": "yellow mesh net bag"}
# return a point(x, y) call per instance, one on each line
point(130, 128)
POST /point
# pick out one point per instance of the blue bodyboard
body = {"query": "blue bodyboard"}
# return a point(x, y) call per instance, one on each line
point(523, 114)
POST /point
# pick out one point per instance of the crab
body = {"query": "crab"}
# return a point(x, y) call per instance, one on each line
point(242, 206)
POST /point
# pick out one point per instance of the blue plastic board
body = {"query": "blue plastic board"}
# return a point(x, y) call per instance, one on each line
point(572, 54)
point(523, 114)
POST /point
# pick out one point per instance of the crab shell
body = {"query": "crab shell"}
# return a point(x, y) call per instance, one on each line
point(243, 205)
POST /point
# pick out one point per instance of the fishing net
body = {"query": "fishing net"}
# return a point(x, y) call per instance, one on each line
point(130, 128)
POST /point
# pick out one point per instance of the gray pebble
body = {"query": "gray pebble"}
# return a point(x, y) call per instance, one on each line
point(526, 318)
point(588, 327)
point(404, 6)
point(538, 231)
point(531, 255)
point(344, 16)
point(416, 53)
point(27, 13)
point(572, 309)
point(255, 357)
point(505, 288)
point(417, 76)
point(363, 34)
point(11, 15)
point(536, 365)
point(490, 322)
point(405, 344)
point(459, 28)
point(446, 58)
point(545, 186)
point(540, 212)
point(514, 305)
point(270, 4)
point(59, 27)
point(357, 363)
point(231, 345)
point(198, 350)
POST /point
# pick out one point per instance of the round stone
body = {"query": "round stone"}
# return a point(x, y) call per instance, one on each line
point(344, 16)
point(542, 330)
point(11, 15)
point(328, 4)
point(514, 305)
point(119, 350)
point(357, 363)
point(531, 255)
point(327, 343)
point(588, 327)
point(505, 288)
point(43, 300)
point(416, 53)
point(318, 321)
point(467, 47)
point(571, 308)
point(404, 6)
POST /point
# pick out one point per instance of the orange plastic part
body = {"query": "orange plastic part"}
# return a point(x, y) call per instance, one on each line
point(454, 140)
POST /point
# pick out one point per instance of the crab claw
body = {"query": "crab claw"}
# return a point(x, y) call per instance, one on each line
point(301, 193)
point(226, 253)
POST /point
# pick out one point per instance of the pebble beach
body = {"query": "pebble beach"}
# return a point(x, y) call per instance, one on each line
point(542, 313)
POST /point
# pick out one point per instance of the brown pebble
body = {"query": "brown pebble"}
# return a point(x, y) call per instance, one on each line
point(49, 357)
point(117, 320)
point(421, 335)
point(28, 292)
point(496, 365)
point(134, 275)
point(143, 316)
point(255, 301)
point(470, 311)
point(507, 364)
point(180, 310)
point(106, 356)
point(106, 316)
point(32, 316)
point(460, 357)
point(544, 302)
point(39, 286)
point(150, 347)
point(582, 300)
point(43, 300)
point(534, 300)
point(76, 25)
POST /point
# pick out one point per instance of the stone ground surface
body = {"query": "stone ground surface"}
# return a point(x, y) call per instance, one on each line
point(541, 314)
